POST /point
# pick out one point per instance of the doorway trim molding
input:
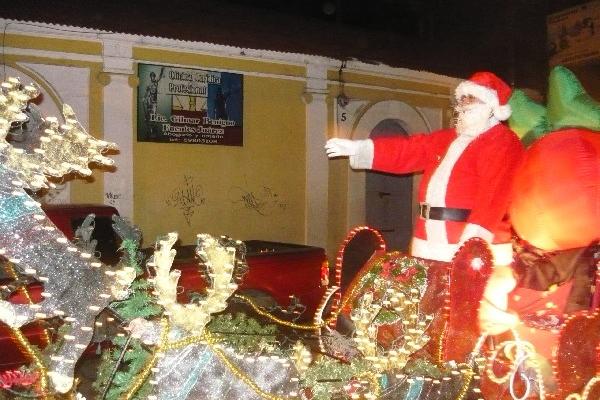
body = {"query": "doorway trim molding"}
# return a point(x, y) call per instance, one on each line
point(411, 119)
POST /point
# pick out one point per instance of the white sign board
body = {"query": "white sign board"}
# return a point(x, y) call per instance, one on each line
point(574, 34)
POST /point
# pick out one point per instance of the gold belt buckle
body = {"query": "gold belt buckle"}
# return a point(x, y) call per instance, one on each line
point(425, 208)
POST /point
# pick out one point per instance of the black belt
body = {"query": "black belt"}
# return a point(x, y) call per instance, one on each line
point(443, 213)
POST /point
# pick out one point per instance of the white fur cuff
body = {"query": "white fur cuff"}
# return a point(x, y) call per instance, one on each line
point(363, 159)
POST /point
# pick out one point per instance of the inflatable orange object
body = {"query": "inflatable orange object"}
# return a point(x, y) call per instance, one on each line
point(556, 192)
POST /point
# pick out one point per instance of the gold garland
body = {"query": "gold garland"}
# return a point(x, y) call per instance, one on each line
point(210, 342)
point(36, 360)
point(13, 274)
point(440, 345)
point(141, 378)
point(280, 321)
point(374, 382)
point(350, 296)
point(187, 341)
point(235, 371)
point(468, 372)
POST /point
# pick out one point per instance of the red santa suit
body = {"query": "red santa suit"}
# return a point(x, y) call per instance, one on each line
point(472, 173)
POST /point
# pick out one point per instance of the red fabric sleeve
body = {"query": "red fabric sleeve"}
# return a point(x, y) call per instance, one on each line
point(405, 154)
point(496, 166)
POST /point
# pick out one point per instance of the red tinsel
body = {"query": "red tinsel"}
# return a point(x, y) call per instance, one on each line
point(8, 379)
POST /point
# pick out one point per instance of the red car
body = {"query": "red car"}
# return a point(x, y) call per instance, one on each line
point(276, 271)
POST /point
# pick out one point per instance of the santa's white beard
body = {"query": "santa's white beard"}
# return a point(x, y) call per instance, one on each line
point(474, 119)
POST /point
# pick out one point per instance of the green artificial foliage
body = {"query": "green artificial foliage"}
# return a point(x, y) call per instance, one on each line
point(326, 377)
point(568, 103)
point(132, 257)
point(133, 361)
point(139, 304)
point(568, 106)
point(245, 334)
point(528, 118)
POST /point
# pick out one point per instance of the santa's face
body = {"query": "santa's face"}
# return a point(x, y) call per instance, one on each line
point(472, 116)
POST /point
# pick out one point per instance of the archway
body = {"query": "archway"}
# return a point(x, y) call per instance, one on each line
point(385, 117)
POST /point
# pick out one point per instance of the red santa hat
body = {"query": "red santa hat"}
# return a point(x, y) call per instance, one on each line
point(490, 89)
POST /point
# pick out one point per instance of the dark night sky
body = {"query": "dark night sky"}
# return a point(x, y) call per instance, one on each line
point(445, 36)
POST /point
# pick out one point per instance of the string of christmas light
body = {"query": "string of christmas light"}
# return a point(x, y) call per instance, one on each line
point(518, 351)
point(586, 390)
point(237, 372)
point(339, 260)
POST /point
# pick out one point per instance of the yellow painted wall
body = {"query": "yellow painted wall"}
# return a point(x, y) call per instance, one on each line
point(372, 89)
point(267, 172)
point(252, 192)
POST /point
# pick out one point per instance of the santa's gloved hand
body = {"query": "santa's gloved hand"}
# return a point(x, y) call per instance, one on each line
point(337, 147)
point(494, 317)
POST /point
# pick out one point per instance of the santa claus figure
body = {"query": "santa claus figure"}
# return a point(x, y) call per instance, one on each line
point(467, 173)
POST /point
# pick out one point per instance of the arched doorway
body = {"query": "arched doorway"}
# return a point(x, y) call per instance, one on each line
point(388, 117)
point(389, 197)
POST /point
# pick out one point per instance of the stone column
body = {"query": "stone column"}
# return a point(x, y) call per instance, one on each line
point(119, 83)
point(315, 98)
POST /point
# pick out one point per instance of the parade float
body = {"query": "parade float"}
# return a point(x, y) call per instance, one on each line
point(373, 334)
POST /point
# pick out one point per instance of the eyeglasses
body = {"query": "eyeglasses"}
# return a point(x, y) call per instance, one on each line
point(467, 100)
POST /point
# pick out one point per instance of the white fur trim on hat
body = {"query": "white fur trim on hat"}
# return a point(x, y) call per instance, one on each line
point(487, 95)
